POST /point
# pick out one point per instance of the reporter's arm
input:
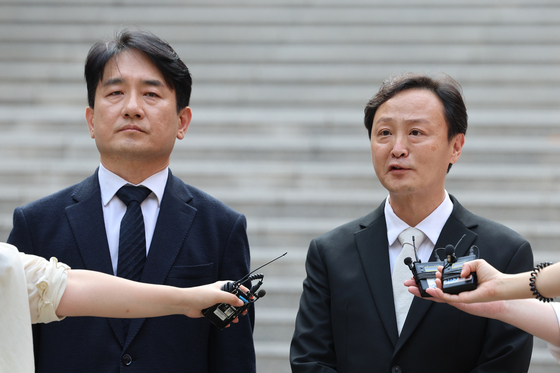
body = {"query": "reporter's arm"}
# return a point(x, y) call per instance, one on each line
point(548, 281)
point(534, 317)
point(55, 291)
point(90, 293)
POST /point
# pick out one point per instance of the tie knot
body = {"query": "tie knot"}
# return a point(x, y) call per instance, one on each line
point(406, 237)
point(129, 193)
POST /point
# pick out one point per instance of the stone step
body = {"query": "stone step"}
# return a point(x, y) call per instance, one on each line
point(279, 31)
point(326, 73)
point(86, 14)
point(354, 53)
point(308, 3)
point(301, 73)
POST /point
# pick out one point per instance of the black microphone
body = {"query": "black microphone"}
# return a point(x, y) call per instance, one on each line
point(261, 293)
point(450, 253)
point(408, 262)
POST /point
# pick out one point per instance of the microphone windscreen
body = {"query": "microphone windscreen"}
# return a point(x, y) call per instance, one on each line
point(407, 260)
point(449, 250)
point(261, 293)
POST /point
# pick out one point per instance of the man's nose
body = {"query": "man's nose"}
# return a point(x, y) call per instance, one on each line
point(400, 147)
point(132, 107)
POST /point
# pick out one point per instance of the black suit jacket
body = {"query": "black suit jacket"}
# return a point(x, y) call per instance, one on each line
point(346, 321)
point(197, 240)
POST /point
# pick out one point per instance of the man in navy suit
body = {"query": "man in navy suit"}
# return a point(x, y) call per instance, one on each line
point(351, 317)
point(138, 96)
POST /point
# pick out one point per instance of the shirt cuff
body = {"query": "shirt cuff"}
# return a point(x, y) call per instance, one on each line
point(46, 282)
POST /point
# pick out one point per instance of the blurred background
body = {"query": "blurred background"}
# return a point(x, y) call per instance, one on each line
point(278, 96)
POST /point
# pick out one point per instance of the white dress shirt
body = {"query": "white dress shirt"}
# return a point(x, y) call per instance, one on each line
point(114, 209)
point(30, 290)
point(431, 226)
point(555, 350)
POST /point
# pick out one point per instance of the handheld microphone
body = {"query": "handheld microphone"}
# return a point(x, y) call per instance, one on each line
point(223, 313)
point(424, 273)
point(452, 282)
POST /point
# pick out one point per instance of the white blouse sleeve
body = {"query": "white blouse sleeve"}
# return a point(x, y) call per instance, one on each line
point(46, 282)
point(555, 350)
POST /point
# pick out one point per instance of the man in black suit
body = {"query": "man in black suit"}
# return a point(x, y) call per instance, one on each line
point(164, 232)
point(351, 316)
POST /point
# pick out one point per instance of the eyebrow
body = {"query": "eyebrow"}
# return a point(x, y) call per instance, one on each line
point(148, 82)
point(408, 121)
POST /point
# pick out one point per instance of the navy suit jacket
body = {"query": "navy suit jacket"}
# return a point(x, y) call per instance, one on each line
point(346, 321)
point(197, 240)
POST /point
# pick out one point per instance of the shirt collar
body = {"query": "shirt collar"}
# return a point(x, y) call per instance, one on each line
point(431, 225)
point(110, 183)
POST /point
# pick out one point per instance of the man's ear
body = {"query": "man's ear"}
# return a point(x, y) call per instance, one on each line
point(90, 121)
point(458, 143)
point(185, 116)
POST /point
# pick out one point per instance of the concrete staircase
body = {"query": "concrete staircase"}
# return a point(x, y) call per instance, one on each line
point(277, 133)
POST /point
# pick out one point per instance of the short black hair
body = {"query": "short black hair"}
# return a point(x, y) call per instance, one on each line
point(447, 89)
point(174, 71)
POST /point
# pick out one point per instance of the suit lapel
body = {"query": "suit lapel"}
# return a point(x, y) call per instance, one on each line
point(374, 254)
point(88, 226)
point(174, 221)
point(86, 219)
point(458, 226)
point(461, 222)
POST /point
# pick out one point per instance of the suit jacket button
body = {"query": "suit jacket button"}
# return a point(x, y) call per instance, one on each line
point(396, 369)
point(126, 359)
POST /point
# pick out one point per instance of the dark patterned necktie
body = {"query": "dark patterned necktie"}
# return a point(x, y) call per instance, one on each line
point(132, 238)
